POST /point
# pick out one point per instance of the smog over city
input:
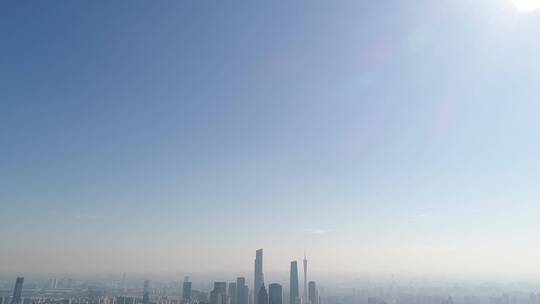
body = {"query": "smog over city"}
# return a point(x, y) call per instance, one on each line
point(270, 152)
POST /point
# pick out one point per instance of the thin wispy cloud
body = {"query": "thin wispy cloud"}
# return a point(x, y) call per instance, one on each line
point(318, 231)
point(91, 217)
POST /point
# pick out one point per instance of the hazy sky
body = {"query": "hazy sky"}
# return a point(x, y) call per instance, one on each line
point(393, 136)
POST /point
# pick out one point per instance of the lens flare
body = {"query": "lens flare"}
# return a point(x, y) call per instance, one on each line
point(526, 6)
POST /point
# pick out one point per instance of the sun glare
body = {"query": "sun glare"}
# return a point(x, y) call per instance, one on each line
point(526, 6)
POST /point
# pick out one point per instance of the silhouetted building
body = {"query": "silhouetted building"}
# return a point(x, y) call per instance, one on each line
point(17, 291)
point(219, 294)
point(259, 276)
point(53, 283)
point(305, 295)
point(313, 294)
point(186, 291)
point(232, 293)
point(275, 294)
point(262, 296)
point(242, 291)
point(294, 297)
point(146, 292)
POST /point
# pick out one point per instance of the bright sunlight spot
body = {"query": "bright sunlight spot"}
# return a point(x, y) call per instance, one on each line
point(526, 6)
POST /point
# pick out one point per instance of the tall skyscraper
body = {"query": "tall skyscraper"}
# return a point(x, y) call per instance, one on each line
point(186, 291)
point(294, 296)
point(219, 294)
point(259, 276)
point(232, 293)
point(305, 295)
point(17, 291)
point(146, 292)
point(313, 294)
point(242, 291)
point(275, 294)
point(262, 296)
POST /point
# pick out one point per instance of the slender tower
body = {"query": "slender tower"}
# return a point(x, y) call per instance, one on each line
point(259, 277)
point(294, 296)
point(305, 295)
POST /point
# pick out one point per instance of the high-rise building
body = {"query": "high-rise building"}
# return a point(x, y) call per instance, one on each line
point(232, 293)
point(242, 291)
point(53, 283)
point(146, 292)
point(262, 296)
point(294, 296)
point(219, 294)
point(313, 294)
point(259, 276)
point(275, 294)
point(17, 291)
point(186, 291)
point(305, 294)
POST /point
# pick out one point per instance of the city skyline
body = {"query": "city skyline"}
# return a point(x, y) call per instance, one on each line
point(381, 137)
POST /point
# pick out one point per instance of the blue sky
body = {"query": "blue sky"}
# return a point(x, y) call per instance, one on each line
point(157, 136)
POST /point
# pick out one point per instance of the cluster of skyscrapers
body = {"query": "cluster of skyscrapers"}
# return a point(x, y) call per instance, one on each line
point(238, 293)
point(224, 293)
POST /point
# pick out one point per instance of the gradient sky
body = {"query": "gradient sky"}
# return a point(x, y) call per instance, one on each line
point(381, 136)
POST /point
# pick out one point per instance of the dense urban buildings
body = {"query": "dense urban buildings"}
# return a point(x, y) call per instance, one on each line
point(140, 291)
